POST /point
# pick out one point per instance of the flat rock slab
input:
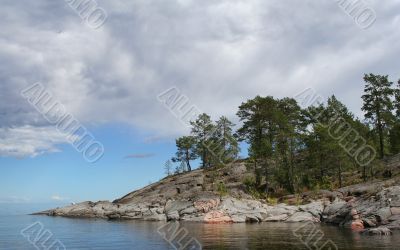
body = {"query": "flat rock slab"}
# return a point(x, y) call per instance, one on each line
point(395, 210)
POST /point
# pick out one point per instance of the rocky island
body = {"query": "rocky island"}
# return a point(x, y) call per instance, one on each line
point(372, 207)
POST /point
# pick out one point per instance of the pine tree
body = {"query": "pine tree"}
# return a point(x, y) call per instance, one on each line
point(186, 151)
point(202, 131)
point(168, 167)
point(288, 119)
point(378, 106)
point(259, 128)
point(397, 100)
point(226, 145)
point(395, 129)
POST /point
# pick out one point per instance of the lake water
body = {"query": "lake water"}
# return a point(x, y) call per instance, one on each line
point(101, 234)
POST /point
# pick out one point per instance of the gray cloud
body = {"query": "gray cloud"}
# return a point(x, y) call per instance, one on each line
point(219, 53)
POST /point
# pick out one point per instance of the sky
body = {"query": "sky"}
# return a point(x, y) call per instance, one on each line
point(215, 53)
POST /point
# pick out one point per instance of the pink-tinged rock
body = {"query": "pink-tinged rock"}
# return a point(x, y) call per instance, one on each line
point(206, 205)
point(354, 212)
point(349, 199)
point(217, 217)
point(395, 210)
point(357, 225)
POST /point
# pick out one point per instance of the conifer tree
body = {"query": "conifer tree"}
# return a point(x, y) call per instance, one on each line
point(186, 151)
point(202, 131)
point(378, 106)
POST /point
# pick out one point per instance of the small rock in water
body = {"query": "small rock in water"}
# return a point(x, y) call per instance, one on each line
point(357, 225)
point(378, 231)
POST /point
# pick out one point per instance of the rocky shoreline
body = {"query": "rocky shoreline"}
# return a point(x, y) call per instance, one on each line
point(372, 208)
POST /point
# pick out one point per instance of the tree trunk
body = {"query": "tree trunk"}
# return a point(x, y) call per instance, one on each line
point(292, 184)
point(380, 132)
point(340, 174)
point(257, 174)
point(266, 179)
point(321, 169)
point(188, 161)
point(204, 158)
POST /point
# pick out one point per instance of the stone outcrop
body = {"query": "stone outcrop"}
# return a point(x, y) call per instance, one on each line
point(368, 208)
point(212, 210)
point(372, 208)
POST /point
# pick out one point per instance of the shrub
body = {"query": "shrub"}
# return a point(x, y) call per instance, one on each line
point(221, 188)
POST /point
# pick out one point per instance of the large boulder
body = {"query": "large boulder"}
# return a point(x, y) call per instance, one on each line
point(177, 206)
point(276, 218)
point(206, 204)
point(383, 214)
point(172, 215)
point(155, 217)
point(337, 212)
point(314, 208)
point(394, 222)
point(302, 217)
point(281, 209)
point(247, 210)
point(217, 217)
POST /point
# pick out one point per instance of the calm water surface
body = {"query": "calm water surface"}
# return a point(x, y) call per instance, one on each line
point(99, 234)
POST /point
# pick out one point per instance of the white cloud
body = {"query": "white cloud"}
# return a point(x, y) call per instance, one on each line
point(14, 199)
point(29, 141)
point(58, 198)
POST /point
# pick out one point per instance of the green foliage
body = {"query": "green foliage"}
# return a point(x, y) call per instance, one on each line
point(292, 149)
point(326, 183)
point(221, 188)
point(202, 129)
point(394, 134)
point(186, 151)
point(275, 130)
point(214, 143)
point(378, 106)
point(251, 187)
point(249, 182)
point(272, 200)
point(226, 146)
point(394, 139)
point(397, 100)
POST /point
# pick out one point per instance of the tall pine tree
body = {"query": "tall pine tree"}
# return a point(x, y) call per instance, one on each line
point(186, 151)
point(378, 106)
point(203, 132)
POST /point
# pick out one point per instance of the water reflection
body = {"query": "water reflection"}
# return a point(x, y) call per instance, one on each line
point(100, 234)
point(280, 236)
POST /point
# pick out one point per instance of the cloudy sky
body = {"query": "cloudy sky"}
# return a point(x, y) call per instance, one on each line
point(218, 53)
